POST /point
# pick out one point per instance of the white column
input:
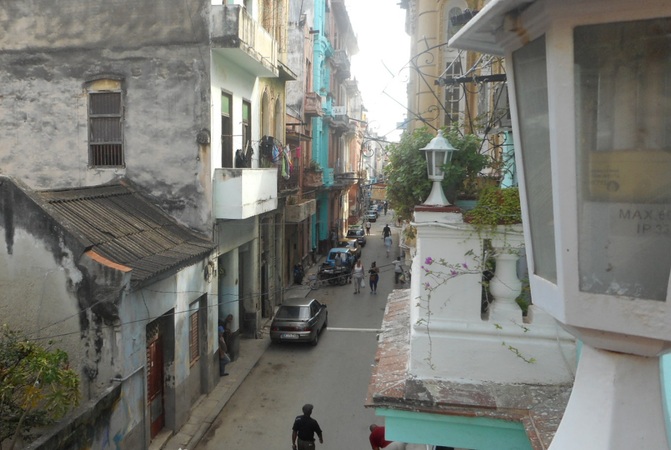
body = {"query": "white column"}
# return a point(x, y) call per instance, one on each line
point(505, 287)
point(616, 403)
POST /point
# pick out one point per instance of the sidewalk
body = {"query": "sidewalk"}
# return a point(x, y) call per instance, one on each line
point(208, 407)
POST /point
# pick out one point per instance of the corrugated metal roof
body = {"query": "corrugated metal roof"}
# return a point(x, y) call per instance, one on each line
point(120, 224)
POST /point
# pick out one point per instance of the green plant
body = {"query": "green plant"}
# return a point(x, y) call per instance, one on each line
point(407, 182)
point(524, 299)
point(496, 206)
point(37, 386)
point(314, 166)
point(463, 174)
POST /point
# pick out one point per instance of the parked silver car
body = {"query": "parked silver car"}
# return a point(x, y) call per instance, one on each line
point(299, 320)
point(357, 233)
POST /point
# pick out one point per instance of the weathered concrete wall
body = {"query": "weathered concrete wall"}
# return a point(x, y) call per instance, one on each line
point(51, 287)
point(170, 300)
point(46, 292)
point(159, 51)
point(87, 427)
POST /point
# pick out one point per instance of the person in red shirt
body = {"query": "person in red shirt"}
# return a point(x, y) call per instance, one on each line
point(377, 440)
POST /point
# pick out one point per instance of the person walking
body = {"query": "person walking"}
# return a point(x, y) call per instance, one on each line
point(357, 276)
point(398, 270)
point(374, 276)
point(387, 244)
point(386, 205)
point(304, 429)
point(377, 440)
point(386, 231)
point(368, 225)
point(223, 353)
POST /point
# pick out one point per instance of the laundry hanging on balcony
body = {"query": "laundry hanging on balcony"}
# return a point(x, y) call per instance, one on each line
point(267, 146)
point(285, 165)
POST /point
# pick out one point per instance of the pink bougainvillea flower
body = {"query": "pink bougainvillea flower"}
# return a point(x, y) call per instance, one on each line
point(428, 261)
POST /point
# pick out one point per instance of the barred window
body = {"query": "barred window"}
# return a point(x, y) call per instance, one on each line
point(105, 129)
point(194, 333)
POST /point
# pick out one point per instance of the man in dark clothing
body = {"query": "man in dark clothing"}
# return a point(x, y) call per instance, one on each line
point(386, 231)
point(304, 430)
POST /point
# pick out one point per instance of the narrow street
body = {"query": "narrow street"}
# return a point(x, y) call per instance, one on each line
point(333, 376)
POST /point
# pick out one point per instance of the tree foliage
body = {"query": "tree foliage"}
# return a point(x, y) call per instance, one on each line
point(407, 181)
point(37, 387)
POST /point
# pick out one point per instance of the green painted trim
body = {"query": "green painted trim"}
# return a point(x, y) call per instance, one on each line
point(479, 433)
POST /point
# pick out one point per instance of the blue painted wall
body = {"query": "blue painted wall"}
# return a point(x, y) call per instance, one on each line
point(456, 431)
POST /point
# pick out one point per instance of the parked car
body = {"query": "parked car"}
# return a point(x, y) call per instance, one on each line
point(373, 210)
point(371, 217)
point(352, 244)
point(357, 233)
point(299, 320)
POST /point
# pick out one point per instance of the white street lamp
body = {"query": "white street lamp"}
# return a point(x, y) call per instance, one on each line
point(438, 152)
point(591, 106)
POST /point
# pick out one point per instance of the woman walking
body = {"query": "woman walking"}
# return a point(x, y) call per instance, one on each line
point(357, 276)
point(374, 276)
point(387, 244)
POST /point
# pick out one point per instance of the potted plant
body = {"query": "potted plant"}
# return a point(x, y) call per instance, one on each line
point(313, 174)
point(496, 206)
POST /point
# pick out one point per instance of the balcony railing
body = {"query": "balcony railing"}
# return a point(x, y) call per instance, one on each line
point(313, 179)
point(288, 182)
point(313, 104)
point(341, 62)
point(343, 179)
point(244, 193)
point(299, 212)
point(236, 35)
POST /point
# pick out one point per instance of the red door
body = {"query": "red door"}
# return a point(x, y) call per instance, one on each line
point(155, 384)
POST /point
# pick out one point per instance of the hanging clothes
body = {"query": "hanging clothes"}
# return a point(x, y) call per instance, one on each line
point(276, 154)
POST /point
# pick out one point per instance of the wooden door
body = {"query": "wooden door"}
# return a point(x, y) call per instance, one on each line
point(155, 384)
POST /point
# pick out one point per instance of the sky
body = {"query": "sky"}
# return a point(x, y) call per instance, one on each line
point(384, 49)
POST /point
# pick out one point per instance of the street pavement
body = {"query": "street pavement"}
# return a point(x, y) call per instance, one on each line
point(207, 409)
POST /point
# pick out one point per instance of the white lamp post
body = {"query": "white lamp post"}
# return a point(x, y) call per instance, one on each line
point(591, 106)
point(438, 152)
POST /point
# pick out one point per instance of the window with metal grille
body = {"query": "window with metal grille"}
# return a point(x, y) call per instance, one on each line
point(452, 92)
point(194, 333)
point(105, 130)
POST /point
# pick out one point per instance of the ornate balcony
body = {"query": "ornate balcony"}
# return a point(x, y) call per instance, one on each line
point(313, 104)
point(236, 36)
point(243, 193)
point(341, 63)
point(287, 184)
point(313, 178)
point(344, 179)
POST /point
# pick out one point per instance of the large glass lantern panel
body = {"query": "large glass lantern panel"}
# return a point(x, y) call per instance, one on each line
point(623, 134)
point(531, 87)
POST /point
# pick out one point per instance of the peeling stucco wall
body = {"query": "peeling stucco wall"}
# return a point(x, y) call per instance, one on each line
point(159, 51)
point(50, 292)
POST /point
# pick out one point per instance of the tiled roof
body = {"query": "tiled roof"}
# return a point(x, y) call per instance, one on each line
point(538, 408)
point(120, 224)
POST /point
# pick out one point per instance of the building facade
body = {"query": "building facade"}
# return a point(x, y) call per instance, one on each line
point(166, 106)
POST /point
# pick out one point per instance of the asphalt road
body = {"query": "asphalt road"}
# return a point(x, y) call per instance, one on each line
point(333, 376)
